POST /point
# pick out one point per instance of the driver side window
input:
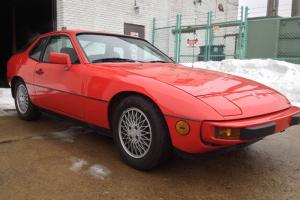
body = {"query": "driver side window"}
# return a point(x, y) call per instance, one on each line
point(61, 44)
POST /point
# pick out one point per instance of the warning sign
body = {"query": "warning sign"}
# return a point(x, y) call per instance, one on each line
point(192, 42)
point(134, 34)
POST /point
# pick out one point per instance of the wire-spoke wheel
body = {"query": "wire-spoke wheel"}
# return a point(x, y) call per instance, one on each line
point(25, 108)
point(140, 132)
point(22, 99)
point(135, 132)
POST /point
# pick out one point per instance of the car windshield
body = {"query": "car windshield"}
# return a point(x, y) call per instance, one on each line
point(109, 48)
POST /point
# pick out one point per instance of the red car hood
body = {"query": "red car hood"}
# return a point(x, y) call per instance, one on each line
point(229, 95)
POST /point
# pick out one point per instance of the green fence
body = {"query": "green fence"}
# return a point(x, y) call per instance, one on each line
point(209, 36)
point(279, 38)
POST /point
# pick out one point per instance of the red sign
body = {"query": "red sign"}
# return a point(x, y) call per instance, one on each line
point(192, 42)
point(134, 34)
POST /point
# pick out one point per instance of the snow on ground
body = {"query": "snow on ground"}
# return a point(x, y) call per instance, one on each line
point(279, 75)
point(67, 135)
point(7, 104)
point(99, 171)
point(96, 171)
point(77, 164)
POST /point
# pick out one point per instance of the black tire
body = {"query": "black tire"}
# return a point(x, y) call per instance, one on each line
point(29, 113)
point(160, 146)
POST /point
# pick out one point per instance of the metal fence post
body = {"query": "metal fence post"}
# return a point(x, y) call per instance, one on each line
point(153, 30)
point(245, 33)
point(206, 38)
point(243, 39)
point(177, 38)
point(239, 47)
point(210, 38)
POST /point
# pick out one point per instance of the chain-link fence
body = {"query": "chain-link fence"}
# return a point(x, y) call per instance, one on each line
point(289, 40)
point(274, 37)
point(207, 36)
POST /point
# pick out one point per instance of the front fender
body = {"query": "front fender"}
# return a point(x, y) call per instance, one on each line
point(105, 84)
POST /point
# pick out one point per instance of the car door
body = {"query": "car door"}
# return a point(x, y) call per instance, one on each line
point(28, 65)
point(57, 88)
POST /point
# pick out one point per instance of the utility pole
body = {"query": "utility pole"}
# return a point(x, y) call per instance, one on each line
point(272, 8)
point(296, 8)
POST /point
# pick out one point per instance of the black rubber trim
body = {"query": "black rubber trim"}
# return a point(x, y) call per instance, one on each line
point(257, 132)
point(91, 98)
point(295, 119)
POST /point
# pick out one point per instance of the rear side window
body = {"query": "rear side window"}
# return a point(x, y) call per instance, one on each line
point(36, 51)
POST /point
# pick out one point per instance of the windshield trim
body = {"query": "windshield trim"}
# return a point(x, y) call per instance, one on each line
point(116, 35)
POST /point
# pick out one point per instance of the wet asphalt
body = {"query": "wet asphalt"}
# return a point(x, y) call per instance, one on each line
point(55, 159)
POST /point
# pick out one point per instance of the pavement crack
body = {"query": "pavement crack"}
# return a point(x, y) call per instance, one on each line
point(14, 140)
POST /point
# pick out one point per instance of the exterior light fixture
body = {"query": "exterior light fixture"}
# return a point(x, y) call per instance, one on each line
point(136, 7)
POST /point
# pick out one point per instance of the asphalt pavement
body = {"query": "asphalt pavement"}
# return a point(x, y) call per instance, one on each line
point(55, 159)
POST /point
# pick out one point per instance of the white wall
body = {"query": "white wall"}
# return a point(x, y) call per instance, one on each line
point(110, 15)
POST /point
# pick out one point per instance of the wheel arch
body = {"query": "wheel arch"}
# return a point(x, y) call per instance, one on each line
point(122, 95)
point(14, 80)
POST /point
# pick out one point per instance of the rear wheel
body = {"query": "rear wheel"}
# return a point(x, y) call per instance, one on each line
point(140, 133)
point(25, 108)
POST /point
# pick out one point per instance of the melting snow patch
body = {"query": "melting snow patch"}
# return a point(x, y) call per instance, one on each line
point(77, 164)
point(66, 135)
point(7, 105)
point(96, 171)
point(99, 171)
point(69, 134)
point(282, 76)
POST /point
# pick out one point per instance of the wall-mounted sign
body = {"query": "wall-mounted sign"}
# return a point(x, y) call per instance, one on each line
point(192, 42)
point(134, 34)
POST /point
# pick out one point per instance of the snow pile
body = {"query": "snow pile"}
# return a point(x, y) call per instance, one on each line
point(6, 102)
point(279, 75)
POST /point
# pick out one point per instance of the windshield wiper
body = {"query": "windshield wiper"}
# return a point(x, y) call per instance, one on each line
point(158, 61)
point(113, 60)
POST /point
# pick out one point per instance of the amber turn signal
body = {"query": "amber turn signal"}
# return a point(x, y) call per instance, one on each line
point(182, 127)
point(227, 133)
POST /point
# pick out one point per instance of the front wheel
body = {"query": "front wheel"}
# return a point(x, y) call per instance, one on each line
point(140, 133)
point(25, 108)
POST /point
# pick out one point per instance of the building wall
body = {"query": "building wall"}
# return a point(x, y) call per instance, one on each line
point(110, 15)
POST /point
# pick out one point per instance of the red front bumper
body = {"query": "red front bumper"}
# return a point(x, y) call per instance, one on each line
point(202, 134)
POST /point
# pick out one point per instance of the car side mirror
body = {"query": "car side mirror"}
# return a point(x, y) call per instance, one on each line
point(60, 58)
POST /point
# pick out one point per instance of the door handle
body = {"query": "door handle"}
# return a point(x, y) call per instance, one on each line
point(39, 71)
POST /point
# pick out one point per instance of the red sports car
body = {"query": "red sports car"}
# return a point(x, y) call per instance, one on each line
point(151, 105)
